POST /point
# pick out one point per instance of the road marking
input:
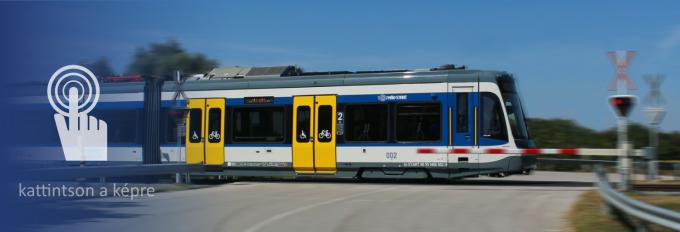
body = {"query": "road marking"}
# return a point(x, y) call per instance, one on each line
point(283, 215)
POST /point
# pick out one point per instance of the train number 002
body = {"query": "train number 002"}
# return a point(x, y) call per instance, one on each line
point(391, 155)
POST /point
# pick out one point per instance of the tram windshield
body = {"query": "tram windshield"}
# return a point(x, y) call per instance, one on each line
point(514, 109)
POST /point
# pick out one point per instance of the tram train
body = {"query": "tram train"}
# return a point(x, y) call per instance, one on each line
point(280, 121)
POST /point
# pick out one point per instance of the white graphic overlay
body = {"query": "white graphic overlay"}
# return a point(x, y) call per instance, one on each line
point(85, 137)
point(324, 133)
point(383, 97)
point(214, 135)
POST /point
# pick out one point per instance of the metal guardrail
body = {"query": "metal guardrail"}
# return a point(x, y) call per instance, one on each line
point(645, 212)
point(42, 174)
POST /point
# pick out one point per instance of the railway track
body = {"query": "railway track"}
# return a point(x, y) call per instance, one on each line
point(657, 187)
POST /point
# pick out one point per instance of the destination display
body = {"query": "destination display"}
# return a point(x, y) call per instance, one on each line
point(258, 100)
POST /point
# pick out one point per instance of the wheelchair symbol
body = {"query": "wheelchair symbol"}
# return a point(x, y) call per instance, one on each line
point(303, 135)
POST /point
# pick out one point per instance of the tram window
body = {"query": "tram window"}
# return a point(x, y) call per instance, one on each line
point(302, 127)
point(418, 122)
point(171, 131)
point(366, 122)
point(258, 124)
point(515, 116)
point(325, 123)
point(40, 130)
point(462, 112)
point(121, 125)
point(493, 119)
point(214, 125)
point(195, 131)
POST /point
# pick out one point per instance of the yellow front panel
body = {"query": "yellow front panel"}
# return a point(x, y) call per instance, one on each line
point(324, 143)
point(214, 129)
point(303, 134)
point(195, 131)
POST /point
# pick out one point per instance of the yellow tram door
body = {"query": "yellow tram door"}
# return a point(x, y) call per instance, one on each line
point(214, 116)
point(314, 143)
point(195, 149)
point(324, 145)
point(303, 144)
point(205, 125)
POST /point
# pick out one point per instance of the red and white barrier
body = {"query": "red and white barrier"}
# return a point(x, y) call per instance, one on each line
point(579, 151)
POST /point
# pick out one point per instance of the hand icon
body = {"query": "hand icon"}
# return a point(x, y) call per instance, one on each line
point(86, 143)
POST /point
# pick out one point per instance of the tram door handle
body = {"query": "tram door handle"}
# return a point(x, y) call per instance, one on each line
point(467, 137)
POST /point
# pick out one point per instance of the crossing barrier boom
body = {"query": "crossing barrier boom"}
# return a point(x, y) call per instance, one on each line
point(577, 151)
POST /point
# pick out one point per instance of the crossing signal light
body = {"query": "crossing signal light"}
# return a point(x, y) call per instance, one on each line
point(178, 114)
point(622, 104)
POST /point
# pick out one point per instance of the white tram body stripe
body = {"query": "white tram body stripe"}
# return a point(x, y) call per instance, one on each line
point(384, 154)
point(258, 154)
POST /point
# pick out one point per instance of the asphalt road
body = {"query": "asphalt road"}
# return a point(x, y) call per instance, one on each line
point(517, 203)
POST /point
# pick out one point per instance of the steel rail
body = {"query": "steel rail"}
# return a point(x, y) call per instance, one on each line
point(645, 212)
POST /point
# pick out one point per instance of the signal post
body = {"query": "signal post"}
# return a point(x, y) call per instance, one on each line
point(621, 105)
point(655, 115)
point(179, 113)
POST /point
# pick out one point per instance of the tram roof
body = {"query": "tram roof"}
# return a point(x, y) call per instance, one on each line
point(348, 79)
point(354, 79)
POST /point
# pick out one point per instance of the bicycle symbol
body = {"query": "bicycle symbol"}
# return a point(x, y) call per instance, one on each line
point(214, 135)
point(195, 136)
point(303, 135)
point(324, 133)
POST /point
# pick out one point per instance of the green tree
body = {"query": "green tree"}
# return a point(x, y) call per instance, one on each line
point(566, 133)
point(560, 133)
point(100, 67)
point(161, 59)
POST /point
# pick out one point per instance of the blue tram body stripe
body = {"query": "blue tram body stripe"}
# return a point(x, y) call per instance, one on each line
point(101, 105)
point(396, 97)
point(168, 103)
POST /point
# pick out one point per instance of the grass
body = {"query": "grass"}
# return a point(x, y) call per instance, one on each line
point(586, 213)
point(668, 182)
point(663, 201)
point(671, 161)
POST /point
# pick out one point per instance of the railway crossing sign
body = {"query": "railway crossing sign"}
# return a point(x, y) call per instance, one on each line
point(654, 97)
point(622, 75)
point(179, 87)
point(622, 104)
point(655, 115)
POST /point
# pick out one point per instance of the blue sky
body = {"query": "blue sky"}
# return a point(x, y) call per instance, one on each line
point(556, 49)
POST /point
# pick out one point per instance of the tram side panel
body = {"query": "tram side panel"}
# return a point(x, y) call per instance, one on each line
point(382, 132)
point(243, 158)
